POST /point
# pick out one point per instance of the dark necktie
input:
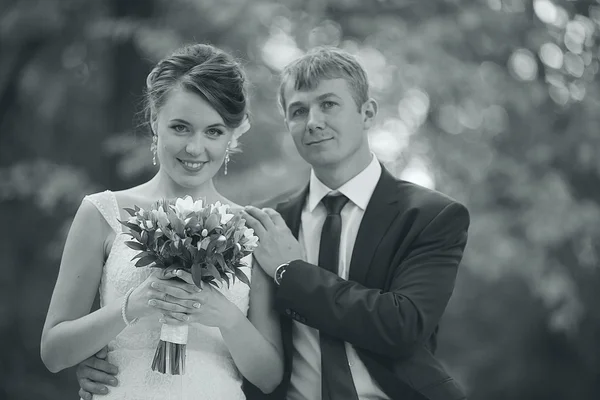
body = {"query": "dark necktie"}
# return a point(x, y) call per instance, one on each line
point(336, 378)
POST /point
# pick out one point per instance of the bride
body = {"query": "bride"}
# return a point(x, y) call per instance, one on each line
point(197, 111)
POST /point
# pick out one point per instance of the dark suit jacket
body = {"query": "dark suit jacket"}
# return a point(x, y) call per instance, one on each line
point(404, 264)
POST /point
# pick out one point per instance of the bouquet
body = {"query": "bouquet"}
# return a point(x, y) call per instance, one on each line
point(205, 240)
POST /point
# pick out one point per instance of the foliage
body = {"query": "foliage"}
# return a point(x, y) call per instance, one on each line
point(494, 102)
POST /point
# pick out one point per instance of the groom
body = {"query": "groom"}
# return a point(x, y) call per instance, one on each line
point(363, 264)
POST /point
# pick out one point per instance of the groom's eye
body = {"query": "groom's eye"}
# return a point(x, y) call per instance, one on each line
point(328, 104)
point(298, 112)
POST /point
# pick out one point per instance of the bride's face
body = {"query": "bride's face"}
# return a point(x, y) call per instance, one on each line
point(192, 139)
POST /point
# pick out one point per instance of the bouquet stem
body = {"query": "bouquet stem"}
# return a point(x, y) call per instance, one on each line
point(169, 357)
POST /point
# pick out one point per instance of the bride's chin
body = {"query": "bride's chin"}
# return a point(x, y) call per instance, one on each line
point(192, 182)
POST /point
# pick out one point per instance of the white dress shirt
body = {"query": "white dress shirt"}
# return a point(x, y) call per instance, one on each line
point(306, 370)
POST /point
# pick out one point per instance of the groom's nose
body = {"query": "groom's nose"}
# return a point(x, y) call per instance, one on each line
point(316, 120)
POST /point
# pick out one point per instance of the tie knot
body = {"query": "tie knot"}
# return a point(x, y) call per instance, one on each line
point(334, 203)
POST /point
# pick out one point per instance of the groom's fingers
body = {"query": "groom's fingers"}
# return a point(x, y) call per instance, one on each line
point(84, 395)
point(93, 364)
point(275, 217)
point(255, 224)
point(261, 216)
point(92, 387)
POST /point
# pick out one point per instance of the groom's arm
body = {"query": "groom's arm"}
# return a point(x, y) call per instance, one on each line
point(390, 323)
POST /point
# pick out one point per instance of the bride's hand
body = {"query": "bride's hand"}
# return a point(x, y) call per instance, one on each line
point(208, 307)
point(147, 299)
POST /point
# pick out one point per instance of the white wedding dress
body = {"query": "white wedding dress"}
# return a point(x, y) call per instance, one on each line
point(210, 371)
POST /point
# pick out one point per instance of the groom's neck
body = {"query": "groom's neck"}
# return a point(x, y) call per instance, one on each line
point(335, 175)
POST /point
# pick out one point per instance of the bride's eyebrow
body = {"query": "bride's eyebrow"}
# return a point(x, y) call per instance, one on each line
point(216, 125)
point(182, 121)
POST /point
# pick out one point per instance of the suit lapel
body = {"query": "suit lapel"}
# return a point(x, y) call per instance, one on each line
point(378, 217)
point(291, 211)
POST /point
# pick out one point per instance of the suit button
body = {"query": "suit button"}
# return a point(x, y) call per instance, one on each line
point(302, 319)
point(288, 311)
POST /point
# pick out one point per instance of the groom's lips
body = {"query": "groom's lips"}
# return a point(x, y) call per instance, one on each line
point(318, 141)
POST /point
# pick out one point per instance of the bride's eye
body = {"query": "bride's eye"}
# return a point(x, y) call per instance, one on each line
point(179, 128)
point(213, 132)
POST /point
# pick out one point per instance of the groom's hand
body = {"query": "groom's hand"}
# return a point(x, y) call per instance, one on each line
point(94, 373)
point(277, 245)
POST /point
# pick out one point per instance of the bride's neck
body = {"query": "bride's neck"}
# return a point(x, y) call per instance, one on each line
point(161, 186)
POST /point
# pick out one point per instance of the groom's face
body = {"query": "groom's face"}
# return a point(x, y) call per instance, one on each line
point(326, 124)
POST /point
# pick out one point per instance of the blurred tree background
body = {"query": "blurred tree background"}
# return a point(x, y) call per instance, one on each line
point(494, 102)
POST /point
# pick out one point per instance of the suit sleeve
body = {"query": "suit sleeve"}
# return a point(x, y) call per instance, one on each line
point(390, 323)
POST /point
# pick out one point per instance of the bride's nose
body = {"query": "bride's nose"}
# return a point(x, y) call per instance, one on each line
point(195, 145)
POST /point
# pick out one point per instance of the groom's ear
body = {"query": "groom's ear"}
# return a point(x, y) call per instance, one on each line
point(369, 112)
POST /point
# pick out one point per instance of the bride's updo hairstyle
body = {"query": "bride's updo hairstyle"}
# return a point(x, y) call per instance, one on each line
point(206, 71)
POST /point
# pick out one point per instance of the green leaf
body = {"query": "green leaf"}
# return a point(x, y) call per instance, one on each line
point(133, 227)
point(212, 222)
point(212, 271)
point(144, 237)
point(221, 261)
point(200, 256)
point(197, 274)
point(242, 276)
point(135, 245)
point(176, 224)
point(226, 279)
point(142, 254)
point(136, 235)
point(145, 261)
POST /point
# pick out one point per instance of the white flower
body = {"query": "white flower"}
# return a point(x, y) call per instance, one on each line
point(185, 206)
point(222, 210)
point(251, 243)
point(161, 217)
point(243, 128)
point(148, 224)
point(133, 220)
point(225, 218)
point(248, 233)
point(204, 232)
point(203, 244)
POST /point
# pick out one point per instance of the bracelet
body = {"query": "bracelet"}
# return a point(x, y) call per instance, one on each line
point(124, 307)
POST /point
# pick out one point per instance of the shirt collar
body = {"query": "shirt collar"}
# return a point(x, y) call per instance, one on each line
point(358, 189)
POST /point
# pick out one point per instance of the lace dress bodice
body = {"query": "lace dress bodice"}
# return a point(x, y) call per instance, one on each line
point(210, 371)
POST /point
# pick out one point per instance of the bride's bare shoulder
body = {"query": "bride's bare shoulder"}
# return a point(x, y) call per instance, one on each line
point(133, 196)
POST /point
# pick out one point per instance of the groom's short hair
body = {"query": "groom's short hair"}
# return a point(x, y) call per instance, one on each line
point(325, 63)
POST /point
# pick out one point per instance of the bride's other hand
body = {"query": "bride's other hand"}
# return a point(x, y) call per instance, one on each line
point(147, 299)
point(184, 304)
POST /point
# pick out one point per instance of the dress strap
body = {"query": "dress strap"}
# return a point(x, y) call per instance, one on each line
point(106, 203)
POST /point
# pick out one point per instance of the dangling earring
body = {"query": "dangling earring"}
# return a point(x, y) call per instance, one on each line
point(154, 148)
point(227, 157)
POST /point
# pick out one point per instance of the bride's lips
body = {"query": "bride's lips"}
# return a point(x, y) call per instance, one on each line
point(191, 166)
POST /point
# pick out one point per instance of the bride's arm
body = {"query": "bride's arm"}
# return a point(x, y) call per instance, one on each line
point(255, 343)
point(71, 334)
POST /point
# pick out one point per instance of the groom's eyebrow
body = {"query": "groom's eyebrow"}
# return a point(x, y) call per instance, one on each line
point(319, 98)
